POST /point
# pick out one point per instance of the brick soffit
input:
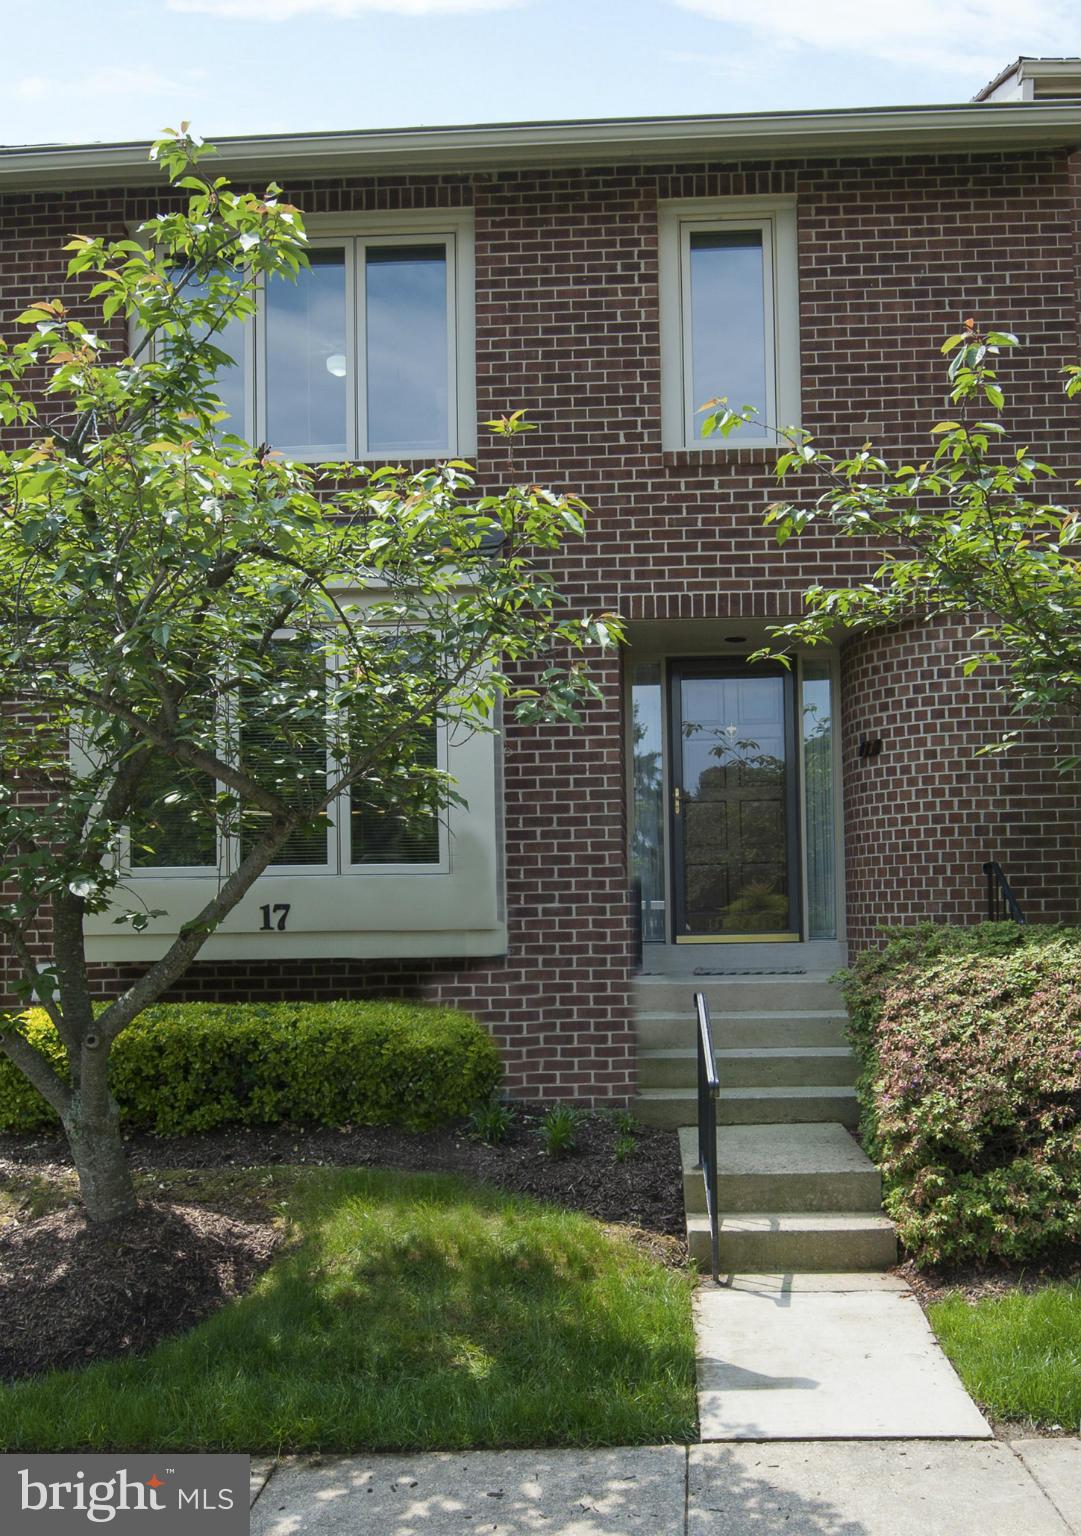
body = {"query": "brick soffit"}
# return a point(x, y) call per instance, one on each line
point(853, 132)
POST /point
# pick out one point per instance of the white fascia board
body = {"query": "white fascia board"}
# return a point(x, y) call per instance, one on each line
point(854, 131)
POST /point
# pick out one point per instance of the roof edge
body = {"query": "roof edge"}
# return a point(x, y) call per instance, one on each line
point(898, 130)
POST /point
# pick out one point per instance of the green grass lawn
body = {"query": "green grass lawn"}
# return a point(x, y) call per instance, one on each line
point(415, 1312)
point(1019, 1355)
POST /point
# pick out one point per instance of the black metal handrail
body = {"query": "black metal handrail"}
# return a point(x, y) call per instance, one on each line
point(708, 1088)
point(1002, 904)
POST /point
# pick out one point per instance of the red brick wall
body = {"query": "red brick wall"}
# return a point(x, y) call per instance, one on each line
point(923, 816)
point(893, 253)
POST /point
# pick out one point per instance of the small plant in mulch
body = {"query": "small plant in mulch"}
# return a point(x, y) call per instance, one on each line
point(492, 1122)
point(624, 1144)
point(559, 1130)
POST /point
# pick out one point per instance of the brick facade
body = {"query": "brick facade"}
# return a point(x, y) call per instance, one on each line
point(892, 254)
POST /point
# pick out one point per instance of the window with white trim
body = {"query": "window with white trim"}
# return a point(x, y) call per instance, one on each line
point(364, 831)
point(370, 353)
point(729, 317)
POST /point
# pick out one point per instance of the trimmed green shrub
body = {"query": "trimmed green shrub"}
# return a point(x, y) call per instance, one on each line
point(969, 1041)
point(183, 1067)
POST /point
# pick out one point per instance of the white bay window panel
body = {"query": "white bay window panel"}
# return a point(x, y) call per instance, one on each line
point(303, 681)
point(453, 909)
point(175, 827)
point(380, 838)
point(729, 318)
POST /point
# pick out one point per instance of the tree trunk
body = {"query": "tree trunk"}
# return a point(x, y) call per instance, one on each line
point(102, 1166)
point(92, 1123)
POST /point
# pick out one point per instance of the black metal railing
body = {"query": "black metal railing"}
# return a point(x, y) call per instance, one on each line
point(1002, 904)
point(708, 1088)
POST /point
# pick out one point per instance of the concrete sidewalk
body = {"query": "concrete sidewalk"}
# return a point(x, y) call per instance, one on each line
point(799, 1488)
point(824, 1357)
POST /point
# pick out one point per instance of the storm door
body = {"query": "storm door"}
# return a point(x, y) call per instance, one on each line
point(734, 802)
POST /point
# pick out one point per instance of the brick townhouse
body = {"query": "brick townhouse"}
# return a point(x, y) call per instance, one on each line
point(609, 277)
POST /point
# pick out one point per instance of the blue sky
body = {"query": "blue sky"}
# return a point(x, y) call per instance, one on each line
point(81, 70)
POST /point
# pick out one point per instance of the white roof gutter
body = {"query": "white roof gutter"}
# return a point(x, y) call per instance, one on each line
point(888, 130)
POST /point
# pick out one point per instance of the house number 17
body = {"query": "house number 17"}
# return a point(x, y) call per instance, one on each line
point(280, 911)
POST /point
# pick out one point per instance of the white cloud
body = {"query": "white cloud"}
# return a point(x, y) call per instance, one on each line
point(99, 83)
point(337, 10)
point(970, 36)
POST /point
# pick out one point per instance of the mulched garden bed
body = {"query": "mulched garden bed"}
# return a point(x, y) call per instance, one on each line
point(977, 1284)
point(72, 1293)
point(643, 1190)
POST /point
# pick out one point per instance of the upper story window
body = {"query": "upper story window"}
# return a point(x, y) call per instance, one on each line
point(370, 353)
point(729, 317)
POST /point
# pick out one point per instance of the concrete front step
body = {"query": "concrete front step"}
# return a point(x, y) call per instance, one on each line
point(770, 1242)
point(787, 1168)
point(675, 1107)
point(772, 1067)
point(744, 1031)
point(739, 994)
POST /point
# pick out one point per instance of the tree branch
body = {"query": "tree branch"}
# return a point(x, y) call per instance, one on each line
point(33, 1065)
point(190, 941)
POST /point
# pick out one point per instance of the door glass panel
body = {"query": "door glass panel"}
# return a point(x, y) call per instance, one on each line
point(307, 359)
point(406, 329)
point(817, 731)
point(732, 824)
point(727, 320)
point(647, 839)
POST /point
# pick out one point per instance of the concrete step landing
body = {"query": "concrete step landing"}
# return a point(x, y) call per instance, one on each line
point(759, 1067)
point(788, 1168)
point(838, 1241)
point(675, 1107)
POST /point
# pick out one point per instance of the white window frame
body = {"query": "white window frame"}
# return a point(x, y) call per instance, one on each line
point(774, 218)
point(454, 229)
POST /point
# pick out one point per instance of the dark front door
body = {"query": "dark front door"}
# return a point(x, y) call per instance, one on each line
point(733, 775)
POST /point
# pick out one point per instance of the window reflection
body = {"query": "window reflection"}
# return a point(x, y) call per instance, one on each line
point(727, 319)
point(733, 822)
point(406, 329)
point(307, 359)
point(817, 722)
point(647, 841)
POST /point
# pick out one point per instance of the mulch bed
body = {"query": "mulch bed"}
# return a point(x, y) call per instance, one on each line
point(72, 1292)
point(644, 1190)
point(978, 1284)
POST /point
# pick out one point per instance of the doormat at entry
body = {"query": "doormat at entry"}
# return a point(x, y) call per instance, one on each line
point(793, 970)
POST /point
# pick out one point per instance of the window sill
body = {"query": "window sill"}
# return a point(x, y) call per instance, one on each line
point(715, 458)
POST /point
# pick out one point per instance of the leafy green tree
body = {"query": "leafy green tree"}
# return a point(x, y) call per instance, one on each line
point(192, 628)
point(969, 533)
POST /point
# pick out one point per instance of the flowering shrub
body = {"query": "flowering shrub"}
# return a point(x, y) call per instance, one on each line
point(969, 1041)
